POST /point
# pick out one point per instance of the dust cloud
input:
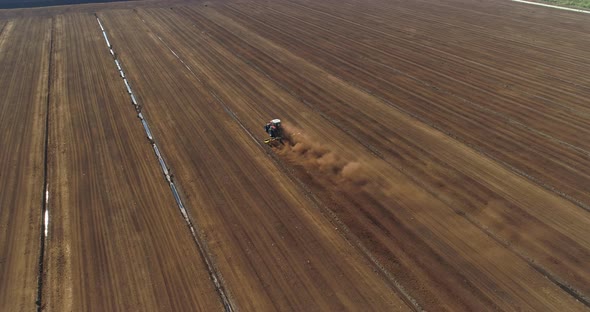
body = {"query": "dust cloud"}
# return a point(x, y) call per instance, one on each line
point(301, 150)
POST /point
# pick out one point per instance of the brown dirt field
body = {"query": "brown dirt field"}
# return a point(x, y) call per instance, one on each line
point(273, 247)
point(436, 156)
point(116, 241)
point(516, 140)
point(456, 196)
point(246, 84)
point(24, 59)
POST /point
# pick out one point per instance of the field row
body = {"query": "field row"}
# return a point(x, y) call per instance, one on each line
point(220, 68)
point(433, 163)
point(514, 131)
point(496, 197)
point(269, 242)
point(23, 103)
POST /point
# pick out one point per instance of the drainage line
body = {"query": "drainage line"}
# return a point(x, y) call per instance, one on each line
point(213, 274)
point(45, 195)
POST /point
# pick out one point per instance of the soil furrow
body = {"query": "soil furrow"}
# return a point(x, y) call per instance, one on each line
point(443, 181)
point(114, 228)
point(276, 241)
point(208, 33)
point(507, 146)
point(24, 56)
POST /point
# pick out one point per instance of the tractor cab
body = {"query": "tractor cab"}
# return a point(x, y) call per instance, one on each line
point(274, 129)
point(276, 123)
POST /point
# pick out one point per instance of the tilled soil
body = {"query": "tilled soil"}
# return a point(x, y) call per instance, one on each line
point(435, 157)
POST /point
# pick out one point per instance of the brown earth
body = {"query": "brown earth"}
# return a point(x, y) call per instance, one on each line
point(272, 246)
point(24, 59)
point(116, 238)
point(436, 156)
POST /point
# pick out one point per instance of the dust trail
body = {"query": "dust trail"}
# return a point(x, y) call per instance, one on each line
point(300, 149)
point(350, 179)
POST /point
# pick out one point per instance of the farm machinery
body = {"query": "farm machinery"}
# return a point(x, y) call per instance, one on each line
point(275, 132)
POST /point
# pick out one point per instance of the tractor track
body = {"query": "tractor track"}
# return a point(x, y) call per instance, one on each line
point(506, 119)
point(511, 168)
point(437, 89)
point(556, 280)
point(375, 151)
point(450, 134)
point(524, 44)
point(568, 57)
point(214, 274)
point(351, 238)
point(435, 51)
point(45, 198)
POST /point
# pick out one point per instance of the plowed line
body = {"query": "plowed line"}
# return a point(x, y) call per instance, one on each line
point(436, 74)
point(423, 120)
point(493, 39)
point(501, 116)
point(435, 51)
point(351, 238)
point(45, 198)
point(554, 279)
point(213, 274)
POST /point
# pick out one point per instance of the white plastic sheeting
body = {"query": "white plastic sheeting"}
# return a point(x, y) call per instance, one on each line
point(118, 65)
point(168, 176)
point(46, 215)
point(127, 85)
point(100, 24)
point(146, 127)
point(178, 201)
point(161, 161)
point(147, 130)
point(553, 6)
point(106, 39)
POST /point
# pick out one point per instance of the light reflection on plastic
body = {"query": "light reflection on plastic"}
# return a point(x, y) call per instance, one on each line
point(46, 217)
